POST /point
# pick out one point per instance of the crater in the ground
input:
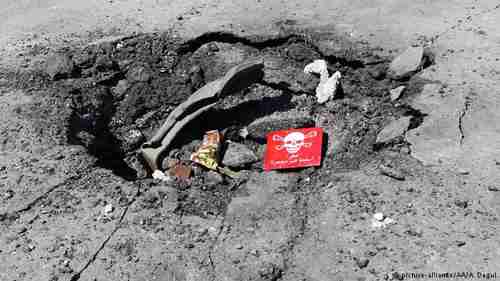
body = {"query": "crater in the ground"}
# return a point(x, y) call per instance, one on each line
point(118, 93)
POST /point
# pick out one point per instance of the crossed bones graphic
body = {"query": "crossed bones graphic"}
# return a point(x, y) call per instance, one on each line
point(294, 141)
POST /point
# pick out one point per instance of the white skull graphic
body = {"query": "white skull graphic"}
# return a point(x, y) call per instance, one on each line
point(294, 141)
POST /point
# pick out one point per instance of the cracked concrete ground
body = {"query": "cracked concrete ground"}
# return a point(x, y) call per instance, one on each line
point(446, 211)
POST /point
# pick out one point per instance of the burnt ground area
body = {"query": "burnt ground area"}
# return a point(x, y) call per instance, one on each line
point(110, 97)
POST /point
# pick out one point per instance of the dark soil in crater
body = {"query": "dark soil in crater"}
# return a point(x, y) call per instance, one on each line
point(118, 93)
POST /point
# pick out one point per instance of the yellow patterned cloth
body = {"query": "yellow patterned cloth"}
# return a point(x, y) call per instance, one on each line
point(208, 154)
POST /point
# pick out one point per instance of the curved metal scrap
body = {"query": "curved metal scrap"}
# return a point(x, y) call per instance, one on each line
point(236, 79)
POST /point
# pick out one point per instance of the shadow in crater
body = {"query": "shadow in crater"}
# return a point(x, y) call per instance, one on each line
point(89, 127)
point(237, 116)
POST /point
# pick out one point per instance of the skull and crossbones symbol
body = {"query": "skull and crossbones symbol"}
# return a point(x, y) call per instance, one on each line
point(294, 141)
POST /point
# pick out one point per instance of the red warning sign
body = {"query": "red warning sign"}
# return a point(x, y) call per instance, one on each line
point(293, 148)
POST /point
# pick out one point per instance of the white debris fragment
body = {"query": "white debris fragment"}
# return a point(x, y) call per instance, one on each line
point(243, 132)
point(317, 66)
point(388, 221)
point(378, 216)
point(327, 87)
point(212, 230)
point(108, 209)
point(396, 92)
point(380, 221)
point(159, 175)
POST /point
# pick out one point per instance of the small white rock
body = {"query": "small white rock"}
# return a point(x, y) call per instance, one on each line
point(159, 175)
point(396, 92)
point(378, 216)
point(380, 221)
point(108, 209)
point(317, 66)
point(377, 224)
point(243, 133)
point(388, 221)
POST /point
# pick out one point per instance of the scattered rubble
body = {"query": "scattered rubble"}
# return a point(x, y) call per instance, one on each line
point(171, 196)
point(379, 220)
point(8, 194)
point(269, 271)
point(396, 92)
point(407, 63)
point(108, 209)
point(391, 172)
point(493, 188)
point(378, 216)
point(139, 73)
point(461, 203)
point(238, 156)
point(260, 128)
point(394, 130)
point(159, 175)
point(306, 83)
point(168, 163)
point(120, 89)
point(132, 140)
point(20, 230)
point(180, 171)
point(213, 178)
point(378, 72)
point(414, 231)
point(243, 133)
point(362, 262)
point(59, 66)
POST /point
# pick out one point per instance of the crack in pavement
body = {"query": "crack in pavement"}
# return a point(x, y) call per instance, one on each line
point(212, 246)
point(261, 43)
point(466, 107)
point(30, 205)
point(301, 215)
point(300, 218)
point(461, 22)
point(92, 259)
